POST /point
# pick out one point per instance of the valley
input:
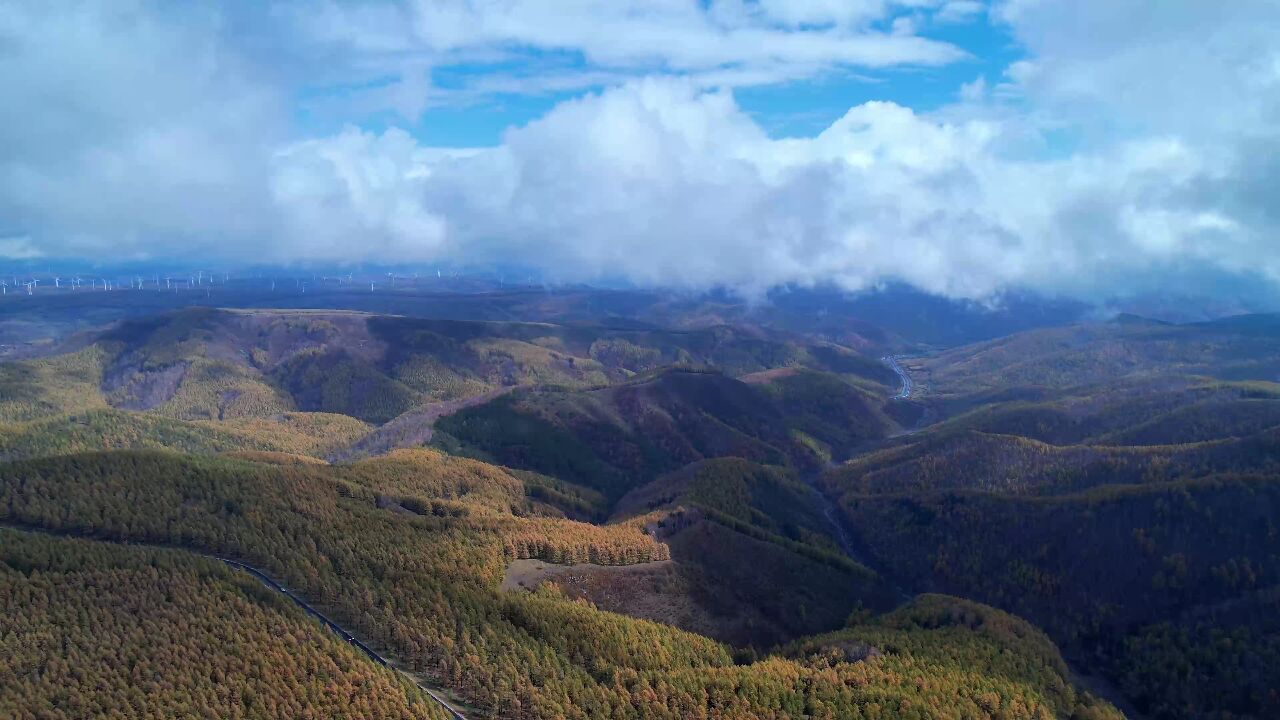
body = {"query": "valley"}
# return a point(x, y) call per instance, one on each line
point(579, 519)
point(636, 360)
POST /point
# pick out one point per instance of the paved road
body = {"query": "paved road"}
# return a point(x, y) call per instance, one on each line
point(892, 362)
point(272, 584)
point(338, 630)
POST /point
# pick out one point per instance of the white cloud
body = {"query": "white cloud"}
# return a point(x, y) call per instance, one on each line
point(355, 195)
point(959, 11)
point(664, 183)
point(1099, 162)
point(19, 248)
point(125, 130)
point(785, 39)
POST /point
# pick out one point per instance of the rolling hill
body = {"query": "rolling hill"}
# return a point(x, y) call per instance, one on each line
point(601, 517)
point(620, 437)
point(409, 552)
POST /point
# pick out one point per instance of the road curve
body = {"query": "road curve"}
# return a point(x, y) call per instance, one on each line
point(907, 386)
point(270, 583)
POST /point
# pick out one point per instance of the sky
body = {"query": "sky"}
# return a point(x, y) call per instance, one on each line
point(1085, 148)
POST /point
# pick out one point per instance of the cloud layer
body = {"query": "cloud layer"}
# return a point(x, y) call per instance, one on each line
point(1133, 147)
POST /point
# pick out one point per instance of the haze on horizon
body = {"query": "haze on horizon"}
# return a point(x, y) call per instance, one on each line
point(1086, 148)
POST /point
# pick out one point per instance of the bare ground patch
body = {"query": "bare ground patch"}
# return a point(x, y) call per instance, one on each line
point(766, 376)
point(414, 428)
point(655, 591)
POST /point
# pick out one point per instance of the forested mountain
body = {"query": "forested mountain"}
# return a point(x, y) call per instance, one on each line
point(1117, 484)
point(600, 519)
point(627, 434)
point(1246, 348)
point(271, 378)
point(399, 551)
point(106, 630)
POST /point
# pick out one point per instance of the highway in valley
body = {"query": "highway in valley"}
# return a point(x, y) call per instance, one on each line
point(892, 362)
point(267, 580)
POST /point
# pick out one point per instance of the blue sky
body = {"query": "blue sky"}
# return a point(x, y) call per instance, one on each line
point(797, 105)
point(802, 107)
point(1080, 147)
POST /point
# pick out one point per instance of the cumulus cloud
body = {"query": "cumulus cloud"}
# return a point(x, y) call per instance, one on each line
point(126, 130)
point(665, 183)
point(1128, 147)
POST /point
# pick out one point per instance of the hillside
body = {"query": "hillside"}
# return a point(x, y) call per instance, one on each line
point(753, 549)
point(202, 365)
point(580, 520)
point(1115, 483)
point(1231, 349)
point(620, 437)
point(1154, 410)
point(1014, 465)
point(414, 565)
point(1101, 570)
point(104, 630)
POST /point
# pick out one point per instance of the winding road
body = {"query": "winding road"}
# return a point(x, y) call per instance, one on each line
point(907, 387)
point(272, 584)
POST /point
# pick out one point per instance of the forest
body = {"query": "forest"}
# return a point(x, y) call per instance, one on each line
point(424, 587)
point(730, 522)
